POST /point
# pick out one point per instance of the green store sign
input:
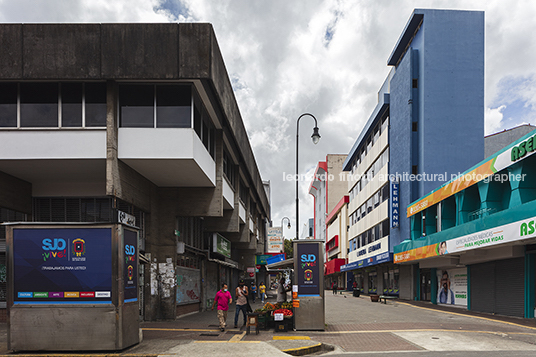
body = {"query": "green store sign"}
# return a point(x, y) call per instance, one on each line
point(522, 149)
point(221, 245)
point(261, 259)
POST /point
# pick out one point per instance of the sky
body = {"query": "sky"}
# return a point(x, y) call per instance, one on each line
point(327, 58)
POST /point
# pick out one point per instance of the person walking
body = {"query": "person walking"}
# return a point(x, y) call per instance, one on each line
point(241, 293)
point(223, 298)
point(281, 291)
point(253, 292)
point(334, 288)
point(262, 291)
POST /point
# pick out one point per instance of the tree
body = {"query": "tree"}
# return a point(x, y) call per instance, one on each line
point(289, 248)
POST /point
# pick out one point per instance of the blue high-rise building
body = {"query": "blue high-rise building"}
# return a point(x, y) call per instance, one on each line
point(427, 126)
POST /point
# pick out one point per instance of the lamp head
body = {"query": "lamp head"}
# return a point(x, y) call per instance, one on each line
point(315, 136)
point(288, 225)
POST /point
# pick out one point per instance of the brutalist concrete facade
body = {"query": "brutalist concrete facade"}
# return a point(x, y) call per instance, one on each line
point(160, 183)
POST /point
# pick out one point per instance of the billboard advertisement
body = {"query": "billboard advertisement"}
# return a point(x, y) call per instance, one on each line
point(308, 273)
point(275, 240)
point(62, 265)
point(130, 271)
point(452, 286)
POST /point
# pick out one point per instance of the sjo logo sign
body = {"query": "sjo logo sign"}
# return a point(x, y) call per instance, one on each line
point(130, 252)
point(54, 248)
point(308, 260)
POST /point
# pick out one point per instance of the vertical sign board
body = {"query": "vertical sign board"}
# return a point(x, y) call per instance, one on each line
point(130, 272)
point(62, 265)
point(395, 204)
point(308, 272)
point(275, 240)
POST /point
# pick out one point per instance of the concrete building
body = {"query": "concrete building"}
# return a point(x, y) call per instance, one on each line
point(476, 236)
point(328, 189)
point(140, 119)
point(497, 141)
point(427, 125)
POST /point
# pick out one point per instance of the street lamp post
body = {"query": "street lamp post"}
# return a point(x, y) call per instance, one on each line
point(283, 219)
point(315, 137)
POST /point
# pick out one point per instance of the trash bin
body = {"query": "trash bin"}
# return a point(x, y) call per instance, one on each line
point(357, 292)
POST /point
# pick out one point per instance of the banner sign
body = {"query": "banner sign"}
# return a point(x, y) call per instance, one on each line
point(274, 242)
point(482, 171)
point(261, 259)
point(452, 286)
point(377, 259)
point(308, 273)
point(221, 245)
point(370, 250)
point(395, 204)
point(62, 265)
point(502, 234)
point(130, 270)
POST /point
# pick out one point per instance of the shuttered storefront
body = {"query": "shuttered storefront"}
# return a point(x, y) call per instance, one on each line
point(498, 287)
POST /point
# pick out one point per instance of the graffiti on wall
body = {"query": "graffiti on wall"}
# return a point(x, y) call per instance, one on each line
point(188, 285)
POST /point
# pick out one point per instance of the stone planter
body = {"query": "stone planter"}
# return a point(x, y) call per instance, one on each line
point(374, 298)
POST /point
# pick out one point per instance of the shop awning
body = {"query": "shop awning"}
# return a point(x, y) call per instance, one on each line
point(333, 266)
point(285, 264)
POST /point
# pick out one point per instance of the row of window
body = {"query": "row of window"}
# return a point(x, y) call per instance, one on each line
point(369, 142)
point(51, 105)
point(370, 235)
point(374, 201)
point(369, 175)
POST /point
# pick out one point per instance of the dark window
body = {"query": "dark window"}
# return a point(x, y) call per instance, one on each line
point(38, 105)
point(95, 94)
point(385, 192)
point(414, 170)
point(414, 126)
point(377, 232)
point(8, 105)
point(197, 121)
point(173, 106)
point(243, 192)
point(71, 105)
point(415, 83)
point(385, 228)
point(137, 106)
point(228, 168)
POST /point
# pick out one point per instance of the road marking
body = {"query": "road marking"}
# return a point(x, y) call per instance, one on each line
point(237, 338)
point(422, 330)
point(291, 338)
point(463, 315)
point(177, 329)
point(227, 341)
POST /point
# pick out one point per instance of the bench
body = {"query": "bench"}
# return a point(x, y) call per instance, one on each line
point(387, 297)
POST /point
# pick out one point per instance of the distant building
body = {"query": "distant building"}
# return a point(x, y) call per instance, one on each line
point(497, 141)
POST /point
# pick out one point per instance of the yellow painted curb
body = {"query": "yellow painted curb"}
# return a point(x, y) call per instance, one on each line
point(237, 338)
point(303, 350)
point(291, 338)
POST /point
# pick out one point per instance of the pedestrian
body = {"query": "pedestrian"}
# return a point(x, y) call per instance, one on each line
point(223, 298)
point(262, 291)
point(253, 292)
point(281, 291)
point(334, 288)
point(355, 285)
point(241, 293)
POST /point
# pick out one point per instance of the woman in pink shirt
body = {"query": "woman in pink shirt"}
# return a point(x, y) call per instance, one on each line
point(223, 299)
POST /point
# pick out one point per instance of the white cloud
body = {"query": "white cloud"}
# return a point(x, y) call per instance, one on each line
point(493, 117)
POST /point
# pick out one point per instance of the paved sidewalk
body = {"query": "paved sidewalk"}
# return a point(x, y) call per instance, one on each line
point(352, 325)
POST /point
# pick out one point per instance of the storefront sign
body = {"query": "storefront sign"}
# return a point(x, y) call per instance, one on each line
point(308, 273)
point(221, 245)
point(490, 237)
point(250, 269)
point(126, 219)
point(275, 240)
point(395, 205)
point(452, 286)
point(482, 171)
point(130, 274)
point(377, 259)
point(60, 265)
point(369, 250)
